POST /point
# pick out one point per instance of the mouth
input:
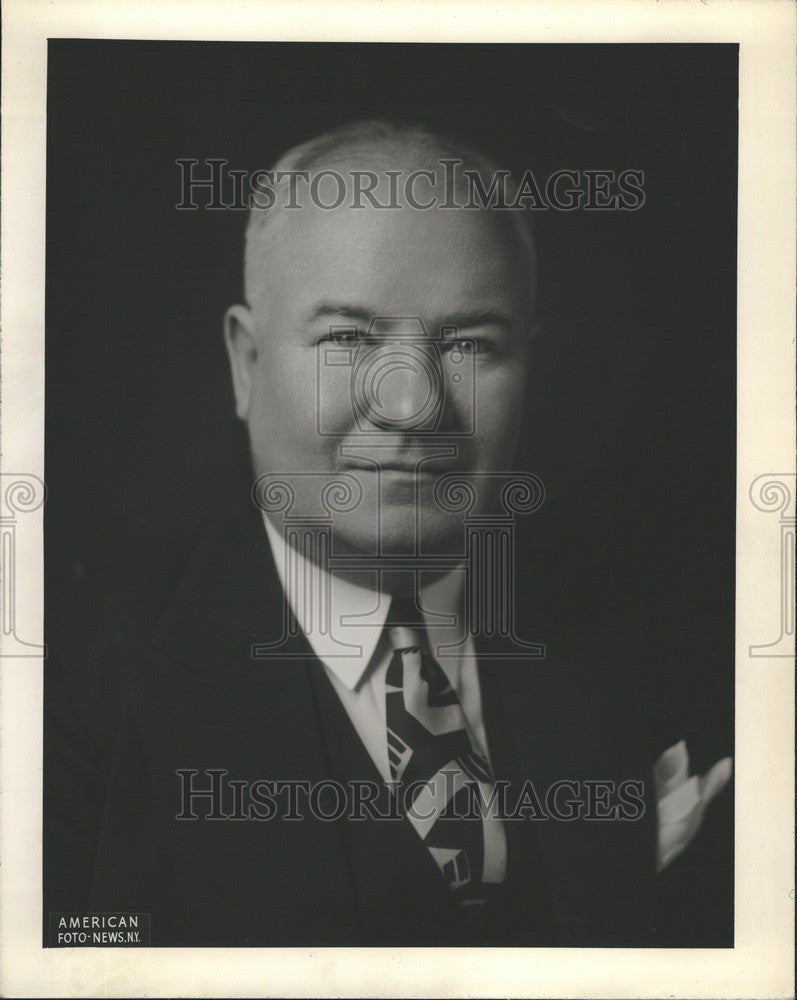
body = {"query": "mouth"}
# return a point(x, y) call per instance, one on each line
point(419, 467)
point(412, 475)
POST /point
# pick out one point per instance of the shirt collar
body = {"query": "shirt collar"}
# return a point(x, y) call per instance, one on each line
point(347, 648)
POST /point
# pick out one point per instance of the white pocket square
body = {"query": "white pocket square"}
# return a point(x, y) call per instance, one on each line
point(682, 799)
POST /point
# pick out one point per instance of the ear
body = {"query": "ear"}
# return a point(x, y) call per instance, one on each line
point(241, 342)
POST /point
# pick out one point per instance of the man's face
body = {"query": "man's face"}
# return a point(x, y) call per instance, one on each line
point(399, 410)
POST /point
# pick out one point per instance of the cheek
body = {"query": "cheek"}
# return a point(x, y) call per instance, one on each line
point(499, 414)
point(286, 386)
point(282, 418)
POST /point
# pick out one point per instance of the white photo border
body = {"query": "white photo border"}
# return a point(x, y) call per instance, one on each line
point(761, 963)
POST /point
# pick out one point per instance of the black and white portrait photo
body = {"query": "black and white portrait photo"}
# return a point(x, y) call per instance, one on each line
point(389, 539)
point(397, 499)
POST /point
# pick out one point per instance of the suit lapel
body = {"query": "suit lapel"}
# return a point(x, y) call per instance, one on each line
point(254, 719)
point(569, 717)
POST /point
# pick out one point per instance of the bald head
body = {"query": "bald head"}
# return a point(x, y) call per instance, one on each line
point(385, 167)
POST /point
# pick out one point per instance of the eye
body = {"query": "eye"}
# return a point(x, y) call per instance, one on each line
point(342, 336)
point(469, 345)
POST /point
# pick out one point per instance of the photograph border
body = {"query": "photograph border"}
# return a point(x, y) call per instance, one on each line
point(761, 962)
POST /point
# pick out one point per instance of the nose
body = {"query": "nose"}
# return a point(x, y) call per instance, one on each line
point(402, 388)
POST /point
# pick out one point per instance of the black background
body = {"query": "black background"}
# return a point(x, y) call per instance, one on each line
point(631, 414)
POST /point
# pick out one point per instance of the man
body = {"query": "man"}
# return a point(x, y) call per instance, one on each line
point(352, 634)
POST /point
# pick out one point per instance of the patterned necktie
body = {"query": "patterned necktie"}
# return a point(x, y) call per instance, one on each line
point(431, 754)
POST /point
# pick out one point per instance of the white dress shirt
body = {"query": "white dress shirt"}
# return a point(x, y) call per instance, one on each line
point(355, 655)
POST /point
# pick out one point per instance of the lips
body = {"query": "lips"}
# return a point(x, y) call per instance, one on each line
point(399, 471)
point(416, 466)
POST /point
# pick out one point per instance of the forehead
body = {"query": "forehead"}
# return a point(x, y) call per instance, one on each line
point(398, 261)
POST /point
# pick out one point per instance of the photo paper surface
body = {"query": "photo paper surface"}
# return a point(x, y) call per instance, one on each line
point(394, 469)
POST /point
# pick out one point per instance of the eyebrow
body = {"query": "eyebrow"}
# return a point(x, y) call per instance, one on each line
point(461, 320)
point(326, 310)
point(480, 317)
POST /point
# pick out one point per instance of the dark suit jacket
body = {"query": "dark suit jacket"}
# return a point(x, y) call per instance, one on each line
point(173, 685)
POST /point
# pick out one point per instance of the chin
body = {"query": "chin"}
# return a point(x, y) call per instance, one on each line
point(399, 532)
